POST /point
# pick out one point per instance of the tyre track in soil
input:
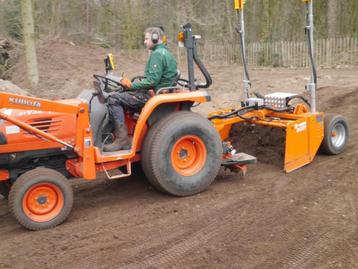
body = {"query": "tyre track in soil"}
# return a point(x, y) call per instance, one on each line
point(299, 249)
point(191, 241)
point(317, 241)
point(152, 253)
point(306, 250)
point(97, 193)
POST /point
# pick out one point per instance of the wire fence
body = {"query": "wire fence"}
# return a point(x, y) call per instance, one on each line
point(327, 52)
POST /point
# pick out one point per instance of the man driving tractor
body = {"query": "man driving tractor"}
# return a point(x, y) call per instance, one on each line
point(160, 71)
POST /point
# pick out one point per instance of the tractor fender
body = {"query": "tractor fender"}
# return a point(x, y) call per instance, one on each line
point(160, 105)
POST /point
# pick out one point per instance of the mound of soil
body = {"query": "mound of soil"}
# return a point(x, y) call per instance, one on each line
point(267, 144)
point(66, 69)
point(7, 86)
point(334, 98)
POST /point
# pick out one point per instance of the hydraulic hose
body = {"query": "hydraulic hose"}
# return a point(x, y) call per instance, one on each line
point(310, 50)
point(237, 112)
point(243, 54)
point(298, 97)
point(203, 70)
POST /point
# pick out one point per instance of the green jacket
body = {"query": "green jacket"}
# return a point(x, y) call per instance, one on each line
point(160, 70)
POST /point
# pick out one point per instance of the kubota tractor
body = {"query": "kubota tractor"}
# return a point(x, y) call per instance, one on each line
point(43, 143)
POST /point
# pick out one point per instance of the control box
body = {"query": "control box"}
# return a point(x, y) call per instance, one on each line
point(278, 99)
point(254, 102)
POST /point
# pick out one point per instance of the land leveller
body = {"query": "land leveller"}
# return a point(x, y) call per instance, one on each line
point(42, 142)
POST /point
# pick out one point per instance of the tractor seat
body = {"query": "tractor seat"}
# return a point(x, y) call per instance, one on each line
point(175, 80)
point(135, 114)
point(171, 88)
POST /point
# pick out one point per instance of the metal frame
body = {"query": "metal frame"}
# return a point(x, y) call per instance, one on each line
point(311, 86)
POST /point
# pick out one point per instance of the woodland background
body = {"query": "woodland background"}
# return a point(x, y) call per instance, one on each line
point(274, 29)
point(120, 23)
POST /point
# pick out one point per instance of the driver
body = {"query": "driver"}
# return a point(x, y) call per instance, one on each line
point(160, 71)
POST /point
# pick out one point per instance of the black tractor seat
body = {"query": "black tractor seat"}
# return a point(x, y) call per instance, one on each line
point(168, 89)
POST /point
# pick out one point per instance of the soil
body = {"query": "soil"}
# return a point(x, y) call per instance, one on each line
point(267, 219)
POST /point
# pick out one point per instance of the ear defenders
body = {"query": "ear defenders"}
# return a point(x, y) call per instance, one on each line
point(155, 37)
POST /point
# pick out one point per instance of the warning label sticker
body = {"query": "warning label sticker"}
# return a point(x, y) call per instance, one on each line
point(12, 129)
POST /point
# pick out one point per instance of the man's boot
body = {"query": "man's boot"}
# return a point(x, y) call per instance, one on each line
point(121, 140)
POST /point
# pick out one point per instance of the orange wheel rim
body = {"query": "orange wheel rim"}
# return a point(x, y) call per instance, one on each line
point(188, 155)
point(43, 202)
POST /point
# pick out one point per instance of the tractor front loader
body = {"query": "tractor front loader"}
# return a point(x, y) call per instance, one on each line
point(43, 143)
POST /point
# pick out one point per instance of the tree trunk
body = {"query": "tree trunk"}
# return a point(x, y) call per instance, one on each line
point(332, 18)
point(29, 42)
point(255, 14)
point(88, 21)
point(229, 10)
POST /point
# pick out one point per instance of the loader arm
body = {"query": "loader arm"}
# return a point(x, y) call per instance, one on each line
point(16, 101)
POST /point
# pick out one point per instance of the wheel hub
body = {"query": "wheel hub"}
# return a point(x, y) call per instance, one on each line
point(183, 153)
point(188, 155)
point(338, 135)
point(43, 202)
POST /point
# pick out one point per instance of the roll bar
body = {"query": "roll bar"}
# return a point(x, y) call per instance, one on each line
point(190, 42)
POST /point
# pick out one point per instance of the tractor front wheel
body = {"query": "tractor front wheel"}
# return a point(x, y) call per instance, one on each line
point(182, 154)
point(41, 198)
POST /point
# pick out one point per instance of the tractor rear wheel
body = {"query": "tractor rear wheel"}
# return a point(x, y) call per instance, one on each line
point(336, 133)
point(41, 198)
point(182, 154)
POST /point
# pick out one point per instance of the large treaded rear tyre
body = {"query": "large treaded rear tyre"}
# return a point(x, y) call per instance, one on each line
point(182, 154)
point(336, 134)
point(41, 198)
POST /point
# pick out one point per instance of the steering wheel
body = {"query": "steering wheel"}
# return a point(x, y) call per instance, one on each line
point(108, 83)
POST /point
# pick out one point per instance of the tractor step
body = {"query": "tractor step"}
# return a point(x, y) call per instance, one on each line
point(239, 159)
point(116, 153)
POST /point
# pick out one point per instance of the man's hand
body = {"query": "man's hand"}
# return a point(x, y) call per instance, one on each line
point(126, 83)
point(98, 91)
point(97, 87)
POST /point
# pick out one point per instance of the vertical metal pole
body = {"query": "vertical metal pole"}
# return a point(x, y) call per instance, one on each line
point(189, 44)
point(246, 80)
point(311, 86)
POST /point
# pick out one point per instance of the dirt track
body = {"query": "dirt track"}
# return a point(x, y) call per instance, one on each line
point(268, 219)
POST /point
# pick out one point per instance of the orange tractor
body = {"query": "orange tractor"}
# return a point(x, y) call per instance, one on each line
point(43, 142)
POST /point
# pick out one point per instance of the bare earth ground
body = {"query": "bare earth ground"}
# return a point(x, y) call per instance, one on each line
point(268, 219)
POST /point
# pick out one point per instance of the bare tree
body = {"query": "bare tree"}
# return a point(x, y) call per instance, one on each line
point(332, 17)
point(29, 42)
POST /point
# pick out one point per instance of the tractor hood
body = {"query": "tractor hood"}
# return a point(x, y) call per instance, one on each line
point(61, 125)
